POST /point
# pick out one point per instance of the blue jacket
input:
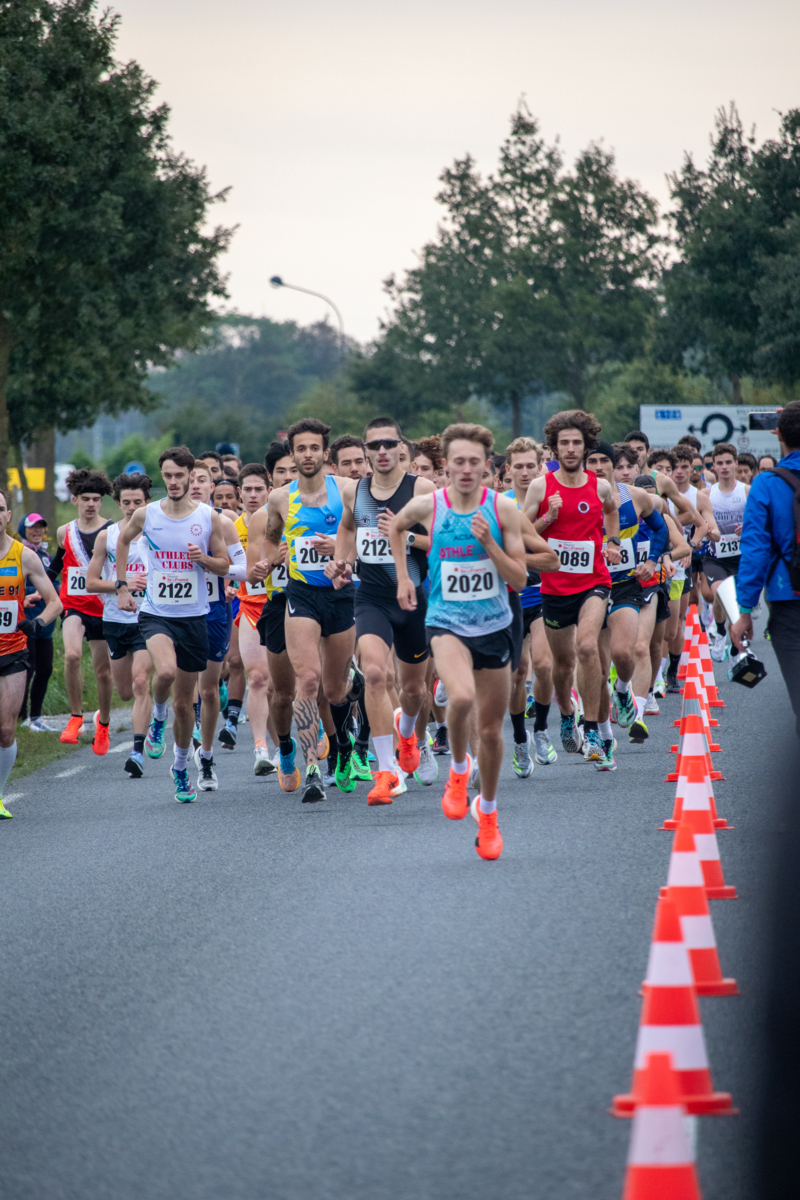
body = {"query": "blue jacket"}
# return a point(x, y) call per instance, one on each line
point(768, 526)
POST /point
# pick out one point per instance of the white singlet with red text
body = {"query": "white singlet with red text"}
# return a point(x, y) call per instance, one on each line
point(176, 587)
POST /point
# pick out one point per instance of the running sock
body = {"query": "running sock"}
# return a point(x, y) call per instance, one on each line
point(181, 758)
point(234, 708)
point(460, 768)
point(540, 720)
point(196, 707)
point(286, 744)
point(621, 686)
point(160, 710)
point(440, 724)
point(722, 628)
point(406, 724)
point(640, 703)
point(8, 756)
point(487, 806)
point(664, 662)
point(341, 715)
point(138, 743)
point(362, 738)
point(605, 730)
point(384, 751)
point(518, 723)
point(333, 757)
point(674, 662)
point(588, 726)
point(205, 753)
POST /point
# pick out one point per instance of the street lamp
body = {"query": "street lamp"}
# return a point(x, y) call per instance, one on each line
point(277, 282)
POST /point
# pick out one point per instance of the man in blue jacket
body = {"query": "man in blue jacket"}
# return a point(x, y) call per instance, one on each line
point(767, 542)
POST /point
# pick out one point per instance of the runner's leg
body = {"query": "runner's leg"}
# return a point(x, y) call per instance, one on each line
point(254, 657)
point(72, 632)
point(303, 646)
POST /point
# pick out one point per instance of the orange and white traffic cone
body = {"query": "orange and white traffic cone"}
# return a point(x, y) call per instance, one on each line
point(689, 635)
point(697, 814)
point(670, 1023)
point(660, 1159)
point(687, 889)
point(714, 698)
point(691, 743)
point(694, 672)
point(683, 779)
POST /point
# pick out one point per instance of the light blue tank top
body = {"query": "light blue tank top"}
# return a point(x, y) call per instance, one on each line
point(467, 595)
point(302, 525)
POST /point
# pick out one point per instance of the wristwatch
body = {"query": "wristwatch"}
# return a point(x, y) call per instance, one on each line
point(410, 539)
point(118, 583)
point(614, 541)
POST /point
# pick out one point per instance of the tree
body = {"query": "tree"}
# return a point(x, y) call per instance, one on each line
point(104, 265)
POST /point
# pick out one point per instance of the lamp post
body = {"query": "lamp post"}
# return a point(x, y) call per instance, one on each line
point(278, 282)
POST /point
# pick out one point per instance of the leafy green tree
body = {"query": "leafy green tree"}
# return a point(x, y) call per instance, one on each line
point(777, 295)
point(104, 265)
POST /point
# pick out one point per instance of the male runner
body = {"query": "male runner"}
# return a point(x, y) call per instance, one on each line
point(381, 624)
point(575, 507)
point(82, 615)
point(130, 662)
point(641, 444)
point(213, 461)
point(348, 457)
point(476, 549)
point(320, 624)
point(247, 657)
point(427, 457)
point(728, 498)
point(183, 539)
point(18, 564)
point(696, 537)
point(225, 497)
point(746, 468)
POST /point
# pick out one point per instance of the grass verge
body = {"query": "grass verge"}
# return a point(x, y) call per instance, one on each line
point(35, 750)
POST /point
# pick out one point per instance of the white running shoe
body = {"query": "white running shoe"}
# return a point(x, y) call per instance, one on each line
point(651, 708)
point(475, 775)
point(39, 725)
point(263, 763)
point(428, 770)
point(440, 694)
point(522, 761)
point(207, 777)
point(401, 785)
point(545, 754)
point(717, 645)
point(659, 688)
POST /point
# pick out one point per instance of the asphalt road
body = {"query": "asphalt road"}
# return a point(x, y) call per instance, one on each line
point(249, 998)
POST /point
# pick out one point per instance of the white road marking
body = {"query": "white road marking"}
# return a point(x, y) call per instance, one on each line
point(71, 771)
point(14, 796)
point(119, 749)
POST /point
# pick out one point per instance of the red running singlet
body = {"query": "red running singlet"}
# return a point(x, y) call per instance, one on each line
point(576, 535)
point(73, 592)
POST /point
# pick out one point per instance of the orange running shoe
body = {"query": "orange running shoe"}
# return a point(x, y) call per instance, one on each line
point(407, 748)
point(382, 791)
point(102, 736)
point(75, 727)
point(489, 842)
point(455, 801)
point(323, 744)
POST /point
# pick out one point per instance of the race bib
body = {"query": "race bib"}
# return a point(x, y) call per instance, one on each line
point(9, 611)
point(307, 556)
point(576, 558)
point(373, 547)
point(470, 581)
point(212, 586)
point(76, 581)
point(642, 551)
point(729, 545)
point(628, 557)
point(138, 594)
point(280, 576)
point(175, 587)
point(256, 589)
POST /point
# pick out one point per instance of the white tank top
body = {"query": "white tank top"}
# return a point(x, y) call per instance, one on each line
point(111, 610)
point(176, 587)
point(728, 513)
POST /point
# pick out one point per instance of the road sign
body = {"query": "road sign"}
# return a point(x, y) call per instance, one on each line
point(134, 468)
point(710, 423)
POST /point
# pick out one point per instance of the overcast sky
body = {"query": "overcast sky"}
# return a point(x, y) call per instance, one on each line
point(331, 121)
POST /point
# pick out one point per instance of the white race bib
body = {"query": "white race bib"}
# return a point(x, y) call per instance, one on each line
point(9, 611)
point(307, 555)
point(212, 586)
point(729, 545)
point(76, 581)
point(280, 576)
point(628, 557)
point(373, 547)
point(256, 589)
point(174, 587)
point(470, 581)
point(576, 558)
point(642, 552)
point(133, 592)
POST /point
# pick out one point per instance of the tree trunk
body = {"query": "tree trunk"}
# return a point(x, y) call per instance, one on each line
point(5, 350)
point(43, 454)
point(516, 414)
point(736, 384)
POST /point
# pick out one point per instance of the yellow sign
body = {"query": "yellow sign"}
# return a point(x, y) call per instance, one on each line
point(34, 477)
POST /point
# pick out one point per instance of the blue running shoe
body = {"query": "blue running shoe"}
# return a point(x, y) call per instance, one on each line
point(289, 776)
point(571, 736)
point(156, 743)
point(184, 792)
point(223, 694)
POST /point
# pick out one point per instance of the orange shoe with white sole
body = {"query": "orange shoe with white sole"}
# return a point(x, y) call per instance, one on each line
point(381, 793)
point(455, 801)
point(102, 736)
point(489, 842)
point(407, 748)
point(75, 727)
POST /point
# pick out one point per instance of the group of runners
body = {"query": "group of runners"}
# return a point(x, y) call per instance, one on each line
point(375, 589)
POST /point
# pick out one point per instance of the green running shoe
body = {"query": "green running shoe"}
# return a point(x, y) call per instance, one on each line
point(359, 765)
point(626, 708)
point(184, 792)
point(155, 743)
point(639, 732)
point(343, 774)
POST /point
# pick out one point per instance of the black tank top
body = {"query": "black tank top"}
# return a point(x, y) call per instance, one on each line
point(375, 563)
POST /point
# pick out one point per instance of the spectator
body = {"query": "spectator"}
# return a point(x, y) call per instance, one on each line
point(766, 462)
point(40, 643)
point(768, 538)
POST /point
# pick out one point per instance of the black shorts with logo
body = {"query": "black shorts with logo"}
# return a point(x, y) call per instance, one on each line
point(717, 569)
point(490, 651)
point(529, 615)
point(12, 664)
point(189, 635)
point(378, 612)
point(560, 612)
point(123, 637)
point(270, 624)
point(331, 609)
point(92, 626)
point(658, 593)
point(628, 593)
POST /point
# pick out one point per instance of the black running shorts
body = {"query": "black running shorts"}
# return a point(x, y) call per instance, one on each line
point(560, 612)
point(270, 624)
point(717, 569)
point(331, 609)
point(378, 612)
point(529, 615)
point(490, 651)
point(123, 637)
point(12, 664)
point(517, 628)
point(189, 635)
point(92, 626)
point(661, 593)
point(628, 593)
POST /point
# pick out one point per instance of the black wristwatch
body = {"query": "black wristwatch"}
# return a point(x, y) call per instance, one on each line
point(118, 583)
point(614, 541)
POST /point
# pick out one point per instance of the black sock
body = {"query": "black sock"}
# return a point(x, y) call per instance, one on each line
point(138, 743)
point(518, 723)
point(674, 661)
point(333, 758)
point(105, 724)
point(362, 740)
point(540, 720)
point(588, 726)
point(285, 743)
point(341, 714)
point(196, 707)
point(722, 628)
point(234, 708)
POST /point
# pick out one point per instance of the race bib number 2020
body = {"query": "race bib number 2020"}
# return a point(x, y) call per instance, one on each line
point(470, 581)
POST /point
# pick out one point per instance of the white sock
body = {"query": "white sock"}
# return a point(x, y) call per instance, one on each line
point(459, 768)
point(640, 703)
point(651, 697)
point(487, 806)
point(384, 751)
point(662, 668)
point(605, 730)
point(441, 724)
point(181, 758)
point(406, 724)
point(160, 710)
point(8, 756)
point(205, 753)
point(622, 686)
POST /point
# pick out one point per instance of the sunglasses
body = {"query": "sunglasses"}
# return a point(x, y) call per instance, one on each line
point(383, 444)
